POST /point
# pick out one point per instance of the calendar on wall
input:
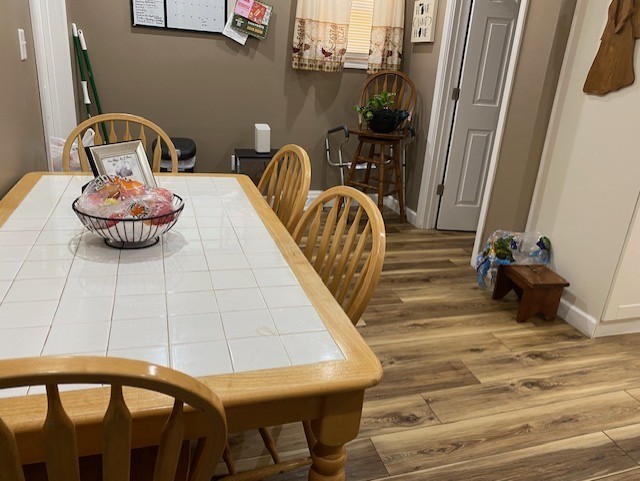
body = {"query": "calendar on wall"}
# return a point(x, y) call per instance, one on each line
point(195, 15)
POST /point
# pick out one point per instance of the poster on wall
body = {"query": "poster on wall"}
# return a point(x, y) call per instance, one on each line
point(252, 18)
point(423, 28)
point(195, 15)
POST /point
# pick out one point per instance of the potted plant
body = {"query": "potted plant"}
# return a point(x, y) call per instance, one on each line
point(379, 115)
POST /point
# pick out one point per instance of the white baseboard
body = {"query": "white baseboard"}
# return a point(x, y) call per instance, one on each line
point(576, 317)
point(313, 195)
point(392, 203)
point(589, 325)
point(389, 201)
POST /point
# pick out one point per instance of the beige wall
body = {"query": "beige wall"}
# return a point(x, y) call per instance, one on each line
point(21, 136)
point(536, 78)
point(212, 89)
point(421, 64)
point(591, 173)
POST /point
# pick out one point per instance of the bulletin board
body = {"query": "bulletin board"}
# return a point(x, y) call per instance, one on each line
point(194, 15)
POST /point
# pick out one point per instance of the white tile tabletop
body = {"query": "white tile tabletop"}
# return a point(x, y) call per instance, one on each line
point(215, 296)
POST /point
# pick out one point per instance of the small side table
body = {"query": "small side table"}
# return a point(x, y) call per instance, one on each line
point(538, 288)
point(251, 155)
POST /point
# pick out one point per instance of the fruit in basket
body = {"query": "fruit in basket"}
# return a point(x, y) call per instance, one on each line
point(163, 213)
point(113, 199)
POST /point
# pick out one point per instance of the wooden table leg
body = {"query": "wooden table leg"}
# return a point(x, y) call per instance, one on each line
point(339, 425)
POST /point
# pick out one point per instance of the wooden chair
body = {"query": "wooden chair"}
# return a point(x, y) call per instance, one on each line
point(346, 248)
point(120, 128)
point(285, 183)
point(59, 431)
point(383, 150)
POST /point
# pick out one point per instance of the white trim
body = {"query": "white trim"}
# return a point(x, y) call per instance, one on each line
point(610, 328)
point(577, 318)
point(392, 203)
point(356, 65)
point(53, 62)
point(443, 106)
point(313, 195)
point(502, 122)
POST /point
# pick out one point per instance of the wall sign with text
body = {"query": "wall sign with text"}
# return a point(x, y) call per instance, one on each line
point(423, 28)
point(196, 15)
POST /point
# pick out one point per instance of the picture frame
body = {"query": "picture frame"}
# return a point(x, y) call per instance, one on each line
point(124, 159)
point(423, 27)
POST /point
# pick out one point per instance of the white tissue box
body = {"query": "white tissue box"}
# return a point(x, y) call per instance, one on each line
point(263, 138)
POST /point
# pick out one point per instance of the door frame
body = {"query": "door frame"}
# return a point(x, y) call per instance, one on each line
point(441, 120)
point(53, 62)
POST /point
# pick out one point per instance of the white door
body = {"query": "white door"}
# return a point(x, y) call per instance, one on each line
point(489, 40)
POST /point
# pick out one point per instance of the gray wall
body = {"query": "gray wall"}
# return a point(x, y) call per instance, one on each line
point(421, 64)
point(535, 83)
point(21, 135)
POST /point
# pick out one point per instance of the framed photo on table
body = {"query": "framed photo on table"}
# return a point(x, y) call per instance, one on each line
point(124, 159)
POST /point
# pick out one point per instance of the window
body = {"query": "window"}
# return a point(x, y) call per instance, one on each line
point(359, 39)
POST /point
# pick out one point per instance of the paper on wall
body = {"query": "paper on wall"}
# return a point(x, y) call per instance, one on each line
point(243, 7)
point(256, 23)
point(233, 34)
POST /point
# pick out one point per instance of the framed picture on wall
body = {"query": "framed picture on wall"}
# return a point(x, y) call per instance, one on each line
point(423, 27)
point(124, 159)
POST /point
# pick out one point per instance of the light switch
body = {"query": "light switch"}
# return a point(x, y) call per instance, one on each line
point(23, 44)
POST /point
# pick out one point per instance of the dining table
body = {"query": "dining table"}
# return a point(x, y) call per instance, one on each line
point(225, 296)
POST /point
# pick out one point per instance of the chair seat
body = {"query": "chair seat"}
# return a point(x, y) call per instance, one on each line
point(370, 134)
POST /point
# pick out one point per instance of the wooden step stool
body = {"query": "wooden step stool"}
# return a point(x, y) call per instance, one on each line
point(538, 288)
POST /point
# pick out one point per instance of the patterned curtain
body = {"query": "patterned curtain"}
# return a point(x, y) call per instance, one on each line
point(320, 34)
point(385, 52)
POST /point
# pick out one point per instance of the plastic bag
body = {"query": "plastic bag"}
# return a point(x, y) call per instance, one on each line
point(112, 197)
point(504, 248)
point(56, 146)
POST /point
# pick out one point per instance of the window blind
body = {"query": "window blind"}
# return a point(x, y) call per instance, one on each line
point(360, 24)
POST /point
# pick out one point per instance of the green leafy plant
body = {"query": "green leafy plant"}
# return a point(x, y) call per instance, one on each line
point(383, 100)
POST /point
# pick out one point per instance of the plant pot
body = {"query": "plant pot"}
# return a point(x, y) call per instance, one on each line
point(383, 121)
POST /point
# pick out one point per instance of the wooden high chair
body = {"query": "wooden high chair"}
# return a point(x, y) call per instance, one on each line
point(383, 150)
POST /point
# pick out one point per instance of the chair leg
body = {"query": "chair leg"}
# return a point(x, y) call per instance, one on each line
point(270, 444)
point(367, 174)
point(381, 179)
point(308, 432)
point(399, 182)
point(228, 460)
point(354, 163)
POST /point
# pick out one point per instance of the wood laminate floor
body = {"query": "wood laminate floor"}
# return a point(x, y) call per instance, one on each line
point(469, 394)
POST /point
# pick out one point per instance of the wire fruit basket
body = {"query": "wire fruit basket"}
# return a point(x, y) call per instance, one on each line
point(131, 233)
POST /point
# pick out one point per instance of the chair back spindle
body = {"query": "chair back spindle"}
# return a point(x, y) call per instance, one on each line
point(117, 437)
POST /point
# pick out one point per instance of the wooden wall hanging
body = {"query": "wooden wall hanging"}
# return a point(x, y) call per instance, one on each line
point(612, 68)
